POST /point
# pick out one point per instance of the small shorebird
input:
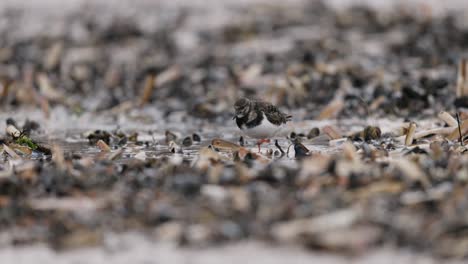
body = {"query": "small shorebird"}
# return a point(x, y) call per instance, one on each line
point(260, 120)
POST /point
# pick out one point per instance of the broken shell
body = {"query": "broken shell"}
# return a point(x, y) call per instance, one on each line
point(372, 133)
point(170, 136)
point(174, 148)
point(187, 142)
point(300, 151)
point(314, 132)
point(196, 137)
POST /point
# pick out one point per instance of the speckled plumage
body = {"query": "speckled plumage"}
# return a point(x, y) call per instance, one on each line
point(259, 119)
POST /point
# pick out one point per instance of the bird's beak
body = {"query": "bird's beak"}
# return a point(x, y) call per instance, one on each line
point(234, 117)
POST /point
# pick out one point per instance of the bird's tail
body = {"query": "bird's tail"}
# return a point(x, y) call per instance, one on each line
point(288, 118)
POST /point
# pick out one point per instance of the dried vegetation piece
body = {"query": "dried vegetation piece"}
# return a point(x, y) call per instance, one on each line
point(153, 81)
point(410, 134)
point(350, 152)
point(448, 119)
point(70, 204)
point(47, 90)
point(4, 88)
point(295, 230)
point(332, 109)
point(116, 154)
point(53, 55)
point(21, 149)
point(462, 79)
point(58, 157)
point(11, 152)
point(147, 89)
point(457, 132)
point(79, 239)
point(103, 146)
point(357, 239)
point(331, 132)
point(12, 131)
point(411, 171)
point(169, 75)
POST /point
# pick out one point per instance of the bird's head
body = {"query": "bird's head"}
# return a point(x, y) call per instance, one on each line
point(242, 107)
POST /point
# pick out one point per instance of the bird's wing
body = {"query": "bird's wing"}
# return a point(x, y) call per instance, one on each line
point(273, 114)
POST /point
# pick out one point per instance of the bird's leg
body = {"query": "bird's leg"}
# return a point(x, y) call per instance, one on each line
point(261, 141)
